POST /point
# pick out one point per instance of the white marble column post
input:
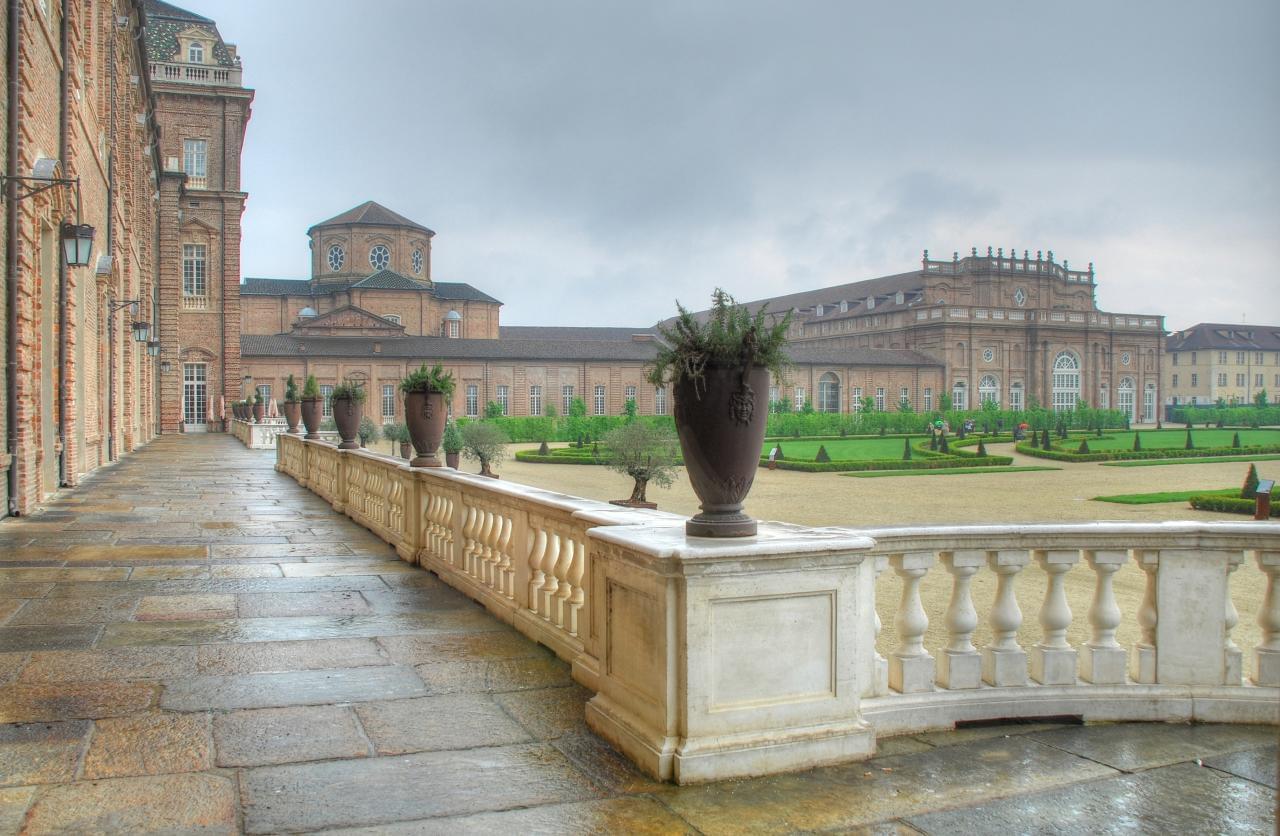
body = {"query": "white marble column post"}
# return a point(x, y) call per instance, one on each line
point(1053, 660)
point(960, 664)
point(1268, 652)
point(910, 665)
point(1103, 659)
point(1004, 662)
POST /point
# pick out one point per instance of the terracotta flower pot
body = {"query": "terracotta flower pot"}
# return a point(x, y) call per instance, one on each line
point(311, 417)
point(721, 425)
point(404, 450)
point(452, 459)
point(346, 414)
point(259, 412)
point(292, 414)
point(424, 412)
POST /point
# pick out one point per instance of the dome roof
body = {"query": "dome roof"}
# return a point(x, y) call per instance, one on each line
point(308, 311)
point(453, 316)
point(370, 213)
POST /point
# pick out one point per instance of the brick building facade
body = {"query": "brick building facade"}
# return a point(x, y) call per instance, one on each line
point(79, 146)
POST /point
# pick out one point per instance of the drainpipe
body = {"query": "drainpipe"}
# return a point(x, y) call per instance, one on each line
point(64, 151)
point(11, 254)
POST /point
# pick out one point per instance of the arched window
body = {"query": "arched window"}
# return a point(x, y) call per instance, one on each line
point(959, 395)
point(989, 390)
point(1149, 403)
point(829, 393)
point(1104, 396)
point(1015, 395)
point(195, 53)
point(1124, 397)
point(1066, 381)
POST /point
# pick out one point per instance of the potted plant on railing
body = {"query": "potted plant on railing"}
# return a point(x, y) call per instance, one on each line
point(719, 372)
point(347, 399)
point(426, 391)
point(398, 434)
point(312, 406)
point(292, 407)
point(452, 444)
point(485, 443)
point(259, 408)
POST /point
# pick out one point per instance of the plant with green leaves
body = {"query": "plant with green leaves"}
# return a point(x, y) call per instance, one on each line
point(452, 441)
point(257, 397)
point(311, 389)
point(367, 431)
point(423, 379)
point(731, 337)
point(290, 390)
point(397, 432)
point(485, 443)
point(646, 452)
point(348, 389)
point(493, 409)
point(1250, 489)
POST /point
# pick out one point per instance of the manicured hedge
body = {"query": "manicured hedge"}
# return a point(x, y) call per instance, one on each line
point(943, 463)
point(1128, 455)
point(1229, 505)
point(829, 424)
point(1230, 416)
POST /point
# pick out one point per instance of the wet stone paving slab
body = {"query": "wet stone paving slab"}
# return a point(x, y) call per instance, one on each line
point(191, 642)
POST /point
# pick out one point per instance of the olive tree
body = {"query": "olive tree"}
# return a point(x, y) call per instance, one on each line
point(485, 443)
point(645, 452)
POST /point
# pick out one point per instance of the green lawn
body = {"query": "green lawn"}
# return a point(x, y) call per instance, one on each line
point(876, 474)
point(842, 449)
point(1175, 439)
point(1164, 496)
point(1205, 460)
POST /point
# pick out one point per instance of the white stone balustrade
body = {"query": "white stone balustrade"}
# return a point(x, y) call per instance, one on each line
point(715, 659)
point(259, 436)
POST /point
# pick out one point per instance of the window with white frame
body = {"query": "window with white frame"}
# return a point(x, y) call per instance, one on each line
point(535, 400)
point(879, 399)
point(388, 401)
point(1239, 358)
point(928, 399)
point(988, 389)
point(1240, 378)
point(629, 394)
point(959, 395)
point(599, 400)
point(1066, 382)
point(1257, 380)
point(391, 317)
point(1195, 379)
point(1125, 397)
point(1175, 380)
point(1222, 378)
point(799, 398)
point(904, 396)
point(454, 328)
point(473, 400)
point(566, 399)
point(194, 272)
point(504, 398)
point(1015, 395)
point(855, 399)
point(326, 400)
point(1175, 358)
point(195, 162)
point(829, 393)
point(195, 53)
point(1222, 357)
point(1149, 403)
point(264, 389)
point(660, 401)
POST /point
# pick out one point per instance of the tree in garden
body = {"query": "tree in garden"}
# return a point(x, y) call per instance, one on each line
point(577, 408)
point(1044, 440)
point(549, 410)
point(367, 431)
point(630, 409)
point(822, 454)
point(486, 443)
point(1190, 445)
point(906, 449)
point(493, 409)
point(1260, 399)
point(1084, 446)
point(982, 448)
point(645, 452)
point(1137, 442)
point(943, 446)
point(543, 449)
point(1250, 489)
point(780, 457)
point(868, 404)
point(452, 441)
point(1235, 441)
point(944, 402)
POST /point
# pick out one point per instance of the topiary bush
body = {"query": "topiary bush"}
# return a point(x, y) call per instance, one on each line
point(906, 449)
point(1235, 441)
point(1083, 449)
point(822, 454)
point(1250, 489)
point(982, 448)
point(1137, 442)
point(1190, 445)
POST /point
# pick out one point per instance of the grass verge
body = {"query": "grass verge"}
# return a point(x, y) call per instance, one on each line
point(1164, 496)
point(876, 474)
point(1206, 460)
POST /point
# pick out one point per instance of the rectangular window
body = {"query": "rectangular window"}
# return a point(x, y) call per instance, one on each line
point(504, 398)
point(1195, 379)
point(1193, 358)
point(194, 273)
point(1240, 379)
point(630, 394)
point(1222, 378)
point(855, 400)
point(904, 396)
point(1175, 380)
point(566, 399)
point(928, 399)
point(195, 157)
point(1257, 380)
point(453, 329)
point(799, 398)
point(264, 389)
point(599, 393)
point(473, 400)
point(773, 394)
point(1239, 358)
point(326, 395)
point(879, 399)
point(1258, 358)
point(660, 401)
point(535, 400)
point(1222, 357)
point(388, 402)
point(1175, 359)
point(195, 399)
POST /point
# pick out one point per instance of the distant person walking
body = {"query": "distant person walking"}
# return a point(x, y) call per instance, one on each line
point(773, 458)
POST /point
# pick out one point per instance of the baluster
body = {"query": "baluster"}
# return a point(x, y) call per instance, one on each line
point(1233, 664)
point(565, 591)
point(502, 569)
point(879, 685)
point(484, 553)
point(576, 573)
point(960, 664)
point(1053, 660)
point(549, 581)
point(1103, 660)
point(469, 537)
point(1144, 656)
point(493, 555)
point(1004, 662)
point(1267, 654)
point(910, 666)
point(537, 555)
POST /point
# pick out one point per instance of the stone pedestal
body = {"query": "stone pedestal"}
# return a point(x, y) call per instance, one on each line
point(731, 657)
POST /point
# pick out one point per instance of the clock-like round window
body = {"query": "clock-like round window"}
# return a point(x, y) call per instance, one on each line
point(337, 256)
point(1020, 297)
point(379, 257)
point(416, 258)
point(988, 355)
point(1124, 359)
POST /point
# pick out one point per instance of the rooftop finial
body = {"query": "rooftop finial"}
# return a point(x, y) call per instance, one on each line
point(1026, 255)
point(975, 252)
point(955, 256)
point(1050, 255)
point(1066, 265)
point(1091, 268)
point(1038, 254)
point(999, 252)
point(988, 252)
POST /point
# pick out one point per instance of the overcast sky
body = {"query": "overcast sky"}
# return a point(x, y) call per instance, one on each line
point(589, 162)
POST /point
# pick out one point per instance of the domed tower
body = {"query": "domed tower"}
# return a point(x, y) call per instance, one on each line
point(366, 240)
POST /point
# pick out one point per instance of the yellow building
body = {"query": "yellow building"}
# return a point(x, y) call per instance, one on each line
point(1210, 362)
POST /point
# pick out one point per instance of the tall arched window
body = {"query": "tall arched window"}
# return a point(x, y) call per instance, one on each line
point(988, 390)
point(1015, 395)
point(1124, 397)
point(829, 393)
point(959, 395)
point(1149, 403)
point(1066, 382)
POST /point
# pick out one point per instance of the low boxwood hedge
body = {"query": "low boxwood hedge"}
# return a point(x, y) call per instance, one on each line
point(1128, 455)
point(941, 463)
point(1228, 505)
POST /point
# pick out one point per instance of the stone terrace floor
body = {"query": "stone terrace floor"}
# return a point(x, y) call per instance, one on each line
point(190, 641)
